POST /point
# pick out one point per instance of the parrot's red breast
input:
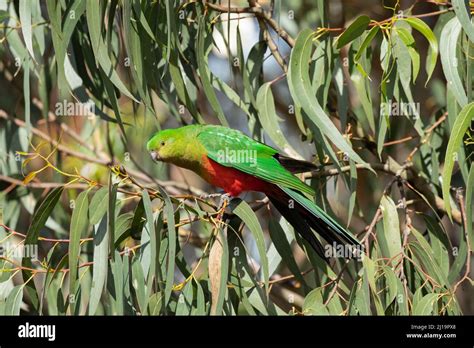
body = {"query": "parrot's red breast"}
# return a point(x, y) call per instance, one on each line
point(231, 180)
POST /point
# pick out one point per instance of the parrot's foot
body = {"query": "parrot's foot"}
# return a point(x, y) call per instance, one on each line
point(210, 195)
point(224, 200)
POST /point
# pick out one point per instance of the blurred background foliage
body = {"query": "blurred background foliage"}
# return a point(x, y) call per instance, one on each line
point(351, 85)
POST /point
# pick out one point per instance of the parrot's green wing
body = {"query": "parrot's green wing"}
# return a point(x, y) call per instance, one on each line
point(250, 156)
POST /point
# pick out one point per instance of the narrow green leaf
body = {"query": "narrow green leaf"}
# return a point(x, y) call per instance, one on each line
point(362, 85)
point(269, 119)
point(279, 239)
point(205, 74)
point(367, 41)
point(201, 301)
point(59, 44)
point(180, 86)
point(362, 297)
point(369, 268)
point(98, 205)
point(448, 44)
point(133, 45)
point(460, 258)
point(94, 24)
point(25, 19)
point(222, 291)
point(71, 19)
point(153, 237)
point(425, 30)
point(439, 242)
point(110, 90)
point(4, 15)
point(231, 94)
point(342, 94)
point(185, 300)
point(354, 30)
point(428, 258)
point(461, 124)
point(469, 203)
point(38, 221)
point(402, 303)
point(170, 25)
point(389, 238)
point(247, 215)
point(391, 283)
point(145, 252)
point(314, 303)
point(463, 12)
point(169, 213)
point(13, 301)
point(26, 95)
point(300, 88)
point(79, 224)
point(138, 219)
point(122, 227)
point(401, 53)
point(116, 266)
point(100, 258)
point(409, 42)
point(253, 70)
point(111, 214)
point(139, 285)
point(353, 190)
point(425, 305)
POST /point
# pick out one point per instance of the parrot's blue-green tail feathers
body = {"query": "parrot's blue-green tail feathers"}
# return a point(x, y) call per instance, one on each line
point(303, 213)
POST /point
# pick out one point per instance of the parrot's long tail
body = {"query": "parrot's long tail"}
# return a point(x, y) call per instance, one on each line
point(304, 215)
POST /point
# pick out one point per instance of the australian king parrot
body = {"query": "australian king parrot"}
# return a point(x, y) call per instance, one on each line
point(229, 159)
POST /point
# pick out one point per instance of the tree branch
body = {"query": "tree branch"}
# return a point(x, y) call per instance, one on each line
point(174, 187)
point(258, 12)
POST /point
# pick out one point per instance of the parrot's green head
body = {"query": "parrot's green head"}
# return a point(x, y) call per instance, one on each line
point(164, 145)
point(178, 146)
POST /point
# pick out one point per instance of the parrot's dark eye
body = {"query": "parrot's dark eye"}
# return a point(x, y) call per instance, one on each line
point(162, 143)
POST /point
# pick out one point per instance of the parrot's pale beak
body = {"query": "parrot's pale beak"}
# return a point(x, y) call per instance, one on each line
point(154, 156)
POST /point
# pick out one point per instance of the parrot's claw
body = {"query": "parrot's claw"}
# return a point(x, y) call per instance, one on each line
point(225, 199)
point(210, 195)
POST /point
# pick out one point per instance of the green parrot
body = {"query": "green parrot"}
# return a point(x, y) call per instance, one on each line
point(229, 159)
